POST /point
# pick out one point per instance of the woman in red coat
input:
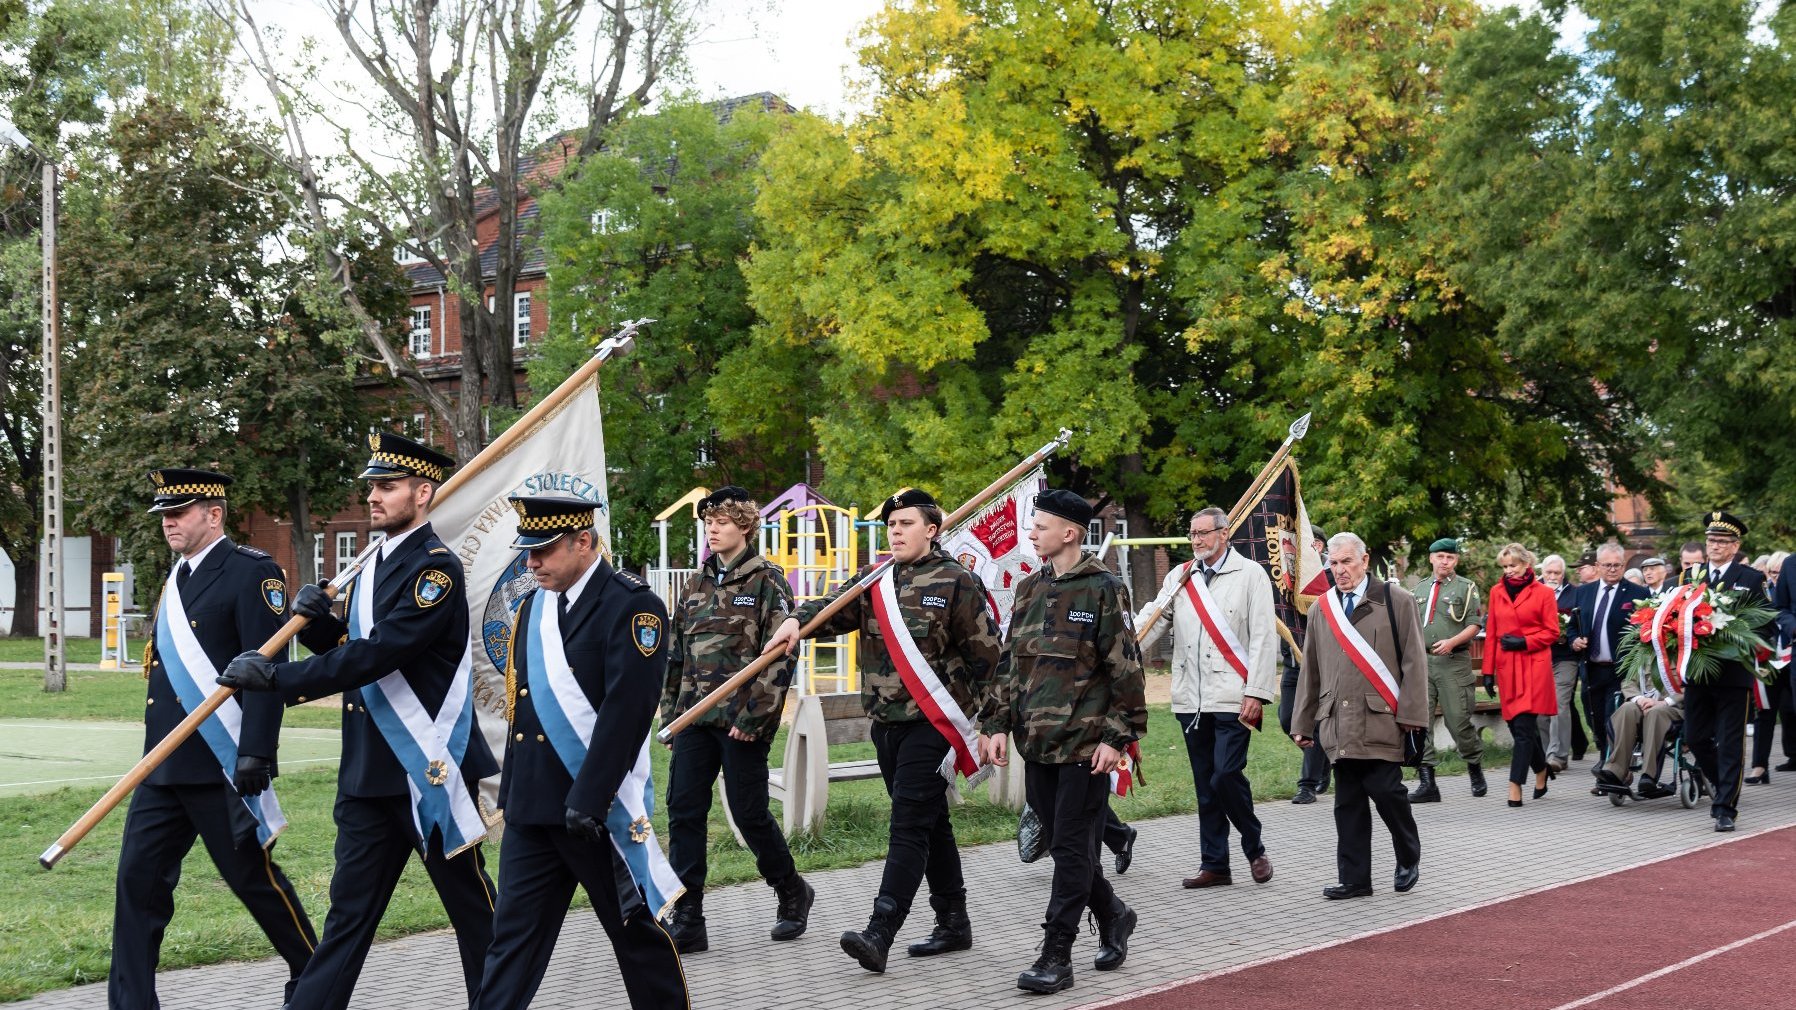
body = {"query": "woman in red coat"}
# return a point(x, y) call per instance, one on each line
point(1519, 631)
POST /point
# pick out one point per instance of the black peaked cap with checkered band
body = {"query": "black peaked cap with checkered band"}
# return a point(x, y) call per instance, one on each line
point(391, 455)
point(179, 487)
point(1723, 524)
point(544, 519)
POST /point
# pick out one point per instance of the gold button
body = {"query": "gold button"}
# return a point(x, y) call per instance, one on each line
point(520, 738)
point(539, 738)
point(152, 701)
point(194, 623)
point(523, 692)
point(349, 708)
point(302, 699)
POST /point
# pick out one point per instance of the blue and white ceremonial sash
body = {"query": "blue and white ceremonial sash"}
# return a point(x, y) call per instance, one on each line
point(194, 678)
point(429, 749)
point(567, 718)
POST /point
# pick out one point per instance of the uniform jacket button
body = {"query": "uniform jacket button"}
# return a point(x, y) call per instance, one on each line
point(349, 707)
point(194, 623)
point(539, 738)
point(520, 738)
point(151, 701)
point(523, 692)
point(302, 699)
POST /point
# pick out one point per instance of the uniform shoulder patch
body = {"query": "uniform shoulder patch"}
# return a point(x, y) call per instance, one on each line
point(274, 593)
point(645, 631)
point(432, 587)
point(253, 552)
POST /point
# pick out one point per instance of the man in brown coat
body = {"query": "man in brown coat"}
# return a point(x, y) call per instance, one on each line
point(1364, 683)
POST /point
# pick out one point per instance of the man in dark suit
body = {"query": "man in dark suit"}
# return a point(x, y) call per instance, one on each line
point(220, 600)
point(1604, 606)
point(1715, 710)
point(402, 664)
point(576, 765)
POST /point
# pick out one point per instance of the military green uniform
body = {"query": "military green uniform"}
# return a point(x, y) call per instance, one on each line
point(1452, 680)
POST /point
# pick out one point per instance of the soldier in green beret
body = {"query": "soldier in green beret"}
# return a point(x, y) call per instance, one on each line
point(1452, 612)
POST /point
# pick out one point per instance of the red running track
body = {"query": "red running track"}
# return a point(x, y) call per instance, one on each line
point(1729, 911)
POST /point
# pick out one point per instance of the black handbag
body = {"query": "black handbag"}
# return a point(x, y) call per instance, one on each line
point(1031, 840)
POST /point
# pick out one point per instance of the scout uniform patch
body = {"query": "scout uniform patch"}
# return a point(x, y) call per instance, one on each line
point(431, 588)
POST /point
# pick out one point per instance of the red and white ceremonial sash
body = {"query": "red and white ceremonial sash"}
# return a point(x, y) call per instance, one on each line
point(1358, 650)
point(1201, 601)
point(925, 687)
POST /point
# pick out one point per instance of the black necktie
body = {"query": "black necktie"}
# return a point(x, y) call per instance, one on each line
point(181, 574)
point(1208, 572)
point(1602, 626)
point(562, 605)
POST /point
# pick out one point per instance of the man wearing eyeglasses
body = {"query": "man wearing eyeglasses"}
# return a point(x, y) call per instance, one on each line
point(1604, 606)
point(1225, 639)
point(1715, 709)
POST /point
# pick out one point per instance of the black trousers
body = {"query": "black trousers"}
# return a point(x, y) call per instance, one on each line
point(1071, 802)
point(1314, 773)
point(374, 842)
point(160, 828)
point(1357, 782)
point(1715, 724)
point(538, 868)
point(1115, 832)
point(1216, 743)
point(698, 755)
point(920, 844)
point(1530, 753)
point(1600, 686)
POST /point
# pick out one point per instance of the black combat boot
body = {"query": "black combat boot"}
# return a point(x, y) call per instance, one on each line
point(1113, 937)
point(953, 930)
point(794, 915)
point(687, 925)
point(1425, 791)
point(870, 945)
point(1053, 970)
point(1476, 771)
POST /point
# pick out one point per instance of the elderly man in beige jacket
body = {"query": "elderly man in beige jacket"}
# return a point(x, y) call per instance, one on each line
point(1364, 684)
point(1224, 667)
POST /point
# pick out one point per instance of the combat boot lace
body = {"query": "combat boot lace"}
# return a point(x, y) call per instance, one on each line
point(870, 945)
point(1053, 970)
point(686, 927)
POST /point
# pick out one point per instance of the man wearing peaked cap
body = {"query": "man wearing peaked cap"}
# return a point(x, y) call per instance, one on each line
point(406, 785)
point(1452, 611)
point(1715, 709)
point(587, 652)
point(220, 600)
point(724, 614)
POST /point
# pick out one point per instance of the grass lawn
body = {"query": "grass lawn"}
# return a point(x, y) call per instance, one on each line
point(55, 926)
point(74, 650)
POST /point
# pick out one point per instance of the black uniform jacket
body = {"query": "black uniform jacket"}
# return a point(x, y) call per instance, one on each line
point(420, 629)
point(231, 606)
point(615, 635)
point(1747, 585)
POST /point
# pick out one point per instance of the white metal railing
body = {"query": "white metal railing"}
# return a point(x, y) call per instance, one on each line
point(667, 583)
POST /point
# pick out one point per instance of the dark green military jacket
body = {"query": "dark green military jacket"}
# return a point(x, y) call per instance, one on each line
point(720, 624)
point(1071, 676)
point(949, 615)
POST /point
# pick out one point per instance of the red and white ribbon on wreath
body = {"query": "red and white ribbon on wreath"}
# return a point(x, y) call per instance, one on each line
point(925, 687)
point(1680, 606)
point(1358, 650)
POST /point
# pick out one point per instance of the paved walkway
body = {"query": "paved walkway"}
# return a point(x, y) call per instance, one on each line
point(1475, 851)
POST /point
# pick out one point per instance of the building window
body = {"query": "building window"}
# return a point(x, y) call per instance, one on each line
point(345, 551)
point(317, 555)
point(419, 429)
point(420, 331)
point(520, 319)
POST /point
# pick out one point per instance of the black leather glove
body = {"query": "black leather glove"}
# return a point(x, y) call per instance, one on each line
point(311, 603)
point(251, 671)
point(253, 774)
point(1514, 643)
point(1490, 685)
point(585, 826)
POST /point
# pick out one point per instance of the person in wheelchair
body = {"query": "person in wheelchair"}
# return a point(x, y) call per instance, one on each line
point(1648, 715)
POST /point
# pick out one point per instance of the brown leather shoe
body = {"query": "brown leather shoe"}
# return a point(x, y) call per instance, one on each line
point(1208, 878)
point(1262, 869)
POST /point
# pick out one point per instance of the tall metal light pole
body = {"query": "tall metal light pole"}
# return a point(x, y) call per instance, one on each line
point(55, 674)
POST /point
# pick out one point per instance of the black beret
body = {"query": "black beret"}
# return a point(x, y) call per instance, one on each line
point(905, 498)
point(1065, 504)
point(1724, 525)
point(723, 495)
point(179, 487)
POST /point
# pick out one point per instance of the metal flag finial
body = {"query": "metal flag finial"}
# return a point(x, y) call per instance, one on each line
point(1299, 428)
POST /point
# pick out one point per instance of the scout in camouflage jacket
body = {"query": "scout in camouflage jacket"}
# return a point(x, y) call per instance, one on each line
point(720, 625)
point(949, 615)
point(1071, 675)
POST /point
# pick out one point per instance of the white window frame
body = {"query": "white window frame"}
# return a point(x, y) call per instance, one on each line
point(345, 550)
point(520, 318)
point(420, 334)
point(421, 428)
point(317, 555)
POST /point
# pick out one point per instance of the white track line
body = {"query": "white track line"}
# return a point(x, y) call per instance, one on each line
point(1380, 931)
point(1680, 966)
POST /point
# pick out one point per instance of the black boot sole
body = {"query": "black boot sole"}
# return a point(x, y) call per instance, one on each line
point(865, 951)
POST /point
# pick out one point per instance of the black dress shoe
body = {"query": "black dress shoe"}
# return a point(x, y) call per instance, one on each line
point(1407, 876)
point(1761, 779)
point(1787, 766)
point(1126, 854)
point(1304, 795)
point(1724, 823)
point(1335, 892)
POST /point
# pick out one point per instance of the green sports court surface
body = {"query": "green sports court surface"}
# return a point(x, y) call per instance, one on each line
point(43, 755)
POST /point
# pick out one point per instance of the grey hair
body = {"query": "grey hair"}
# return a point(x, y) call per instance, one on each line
point(1217, 516)
point(1611, 548)
point(1347, 539)
point(1549, 559)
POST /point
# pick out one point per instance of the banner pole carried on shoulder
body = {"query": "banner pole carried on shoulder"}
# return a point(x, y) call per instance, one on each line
point(857, 587)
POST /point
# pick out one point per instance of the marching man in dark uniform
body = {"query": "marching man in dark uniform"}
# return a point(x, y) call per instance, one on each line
point(1715, 710)
point(220, 600)
point(734, 603)
point(930, 648)
point(587, 654)
point(1070, 689)
point(413, 756)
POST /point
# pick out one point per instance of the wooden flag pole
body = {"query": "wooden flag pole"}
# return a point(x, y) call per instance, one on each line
point(1237, 515)
point(856, 588)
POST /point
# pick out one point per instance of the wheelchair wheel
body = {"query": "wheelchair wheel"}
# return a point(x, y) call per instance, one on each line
point(1687, 790)
point(1618, 799)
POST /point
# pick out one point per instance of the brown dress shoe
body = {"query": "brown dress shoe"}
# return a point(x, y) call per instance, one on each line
point(1208, 878)
point(1262, 869)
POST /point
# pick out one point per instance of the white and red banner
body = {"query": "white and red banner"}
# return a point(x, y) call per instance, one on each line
point(925, 686)
point(1359, 651)
point(994, 544)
